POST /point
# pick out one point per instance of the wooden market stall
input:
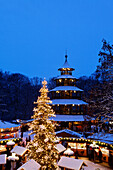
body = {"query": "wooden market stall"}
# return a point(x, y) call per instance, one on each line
point(21, 152)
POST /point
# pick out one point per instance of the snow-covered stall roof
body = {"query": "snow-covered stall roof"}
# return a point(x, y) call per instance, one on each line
point(73, 133)
point(60, 147)
point(71, 163)
point(4, 125)
point(107, 138)
point(65, 77)
point(68, 118)
point(68, 101)
point(10, 143)
point(19, 150)
point(30, 165)
point(63, 88)
point(3, 159)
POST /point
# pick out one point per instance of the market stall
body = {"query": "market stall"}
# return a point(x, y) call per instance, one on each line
point(21, 152)
point(79, 147)
point(2, 149)
point(13, 158)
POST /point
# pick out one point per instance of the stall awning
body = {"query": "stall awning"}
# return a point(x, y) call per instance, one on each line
point(68, 118)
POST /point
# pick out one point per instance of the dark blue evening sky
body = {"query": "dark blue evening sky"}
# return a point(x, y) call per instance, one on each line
point(34, 35)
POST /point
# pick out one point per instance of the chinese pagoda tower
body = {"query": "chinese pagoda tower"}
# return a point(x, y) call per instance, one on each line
point(67, 100)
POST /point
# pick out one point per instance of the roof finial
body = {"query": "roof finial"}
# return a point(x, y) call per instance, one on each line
point(66, 56)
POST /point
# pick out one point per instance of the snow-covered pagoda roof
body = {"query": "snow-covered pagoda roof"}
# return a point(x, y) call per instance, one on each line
point(61, 88)
point(70, 132)
point(30, 165)
point(68, 118)
point(68, 102)
point(66, 65)
point(66, 76)
point(4, 125)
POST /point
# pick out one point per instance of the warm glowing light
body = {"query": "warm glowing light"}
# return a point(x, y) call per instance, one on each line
point(74, 91)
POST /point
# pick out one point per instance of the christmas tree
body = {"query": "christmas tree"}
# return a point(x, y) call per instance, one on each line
point(42, 148)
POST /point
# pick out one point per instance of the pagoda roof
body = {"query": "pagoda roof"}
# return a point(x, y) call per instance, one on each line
point(68, 102)
point(66, 65)
point(68, 118)
point(63, 88)
point(66, 76)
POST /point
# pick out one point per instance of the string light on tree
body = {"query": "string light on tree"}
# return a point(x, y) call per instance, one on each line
point(42, 148)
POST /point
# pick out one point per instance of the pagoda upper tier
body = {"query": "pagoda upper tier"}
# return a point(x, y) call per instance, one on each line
point(66, 69)
point(66, 78)
point(67, 99)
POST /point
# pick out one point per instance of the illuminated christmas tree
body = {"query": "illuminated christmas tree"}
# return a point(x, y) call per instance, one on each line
point(42, 148)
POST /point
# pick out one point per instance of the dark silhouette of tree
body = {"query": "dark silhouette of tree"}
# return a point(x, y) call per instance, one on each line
point(101, 95)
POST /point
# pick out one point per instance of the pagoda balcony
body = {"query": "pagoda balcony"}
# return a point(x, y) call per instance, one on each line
point(69, 112)
point(67, 97)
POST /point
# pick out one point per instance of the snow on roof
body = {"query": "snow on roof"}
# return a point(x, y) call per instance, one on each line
point(10, 142)
point(66, 65)
point(68, 101)
point(66, 88)
point(65, 77)
point(68, 152)
point(68, 118)
point(70, 132)
point(60, 147)
point(19, 150)
point(71, 163)
point(107, 138)
point(4, 125)
point(3, 159)
point(30, 165)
